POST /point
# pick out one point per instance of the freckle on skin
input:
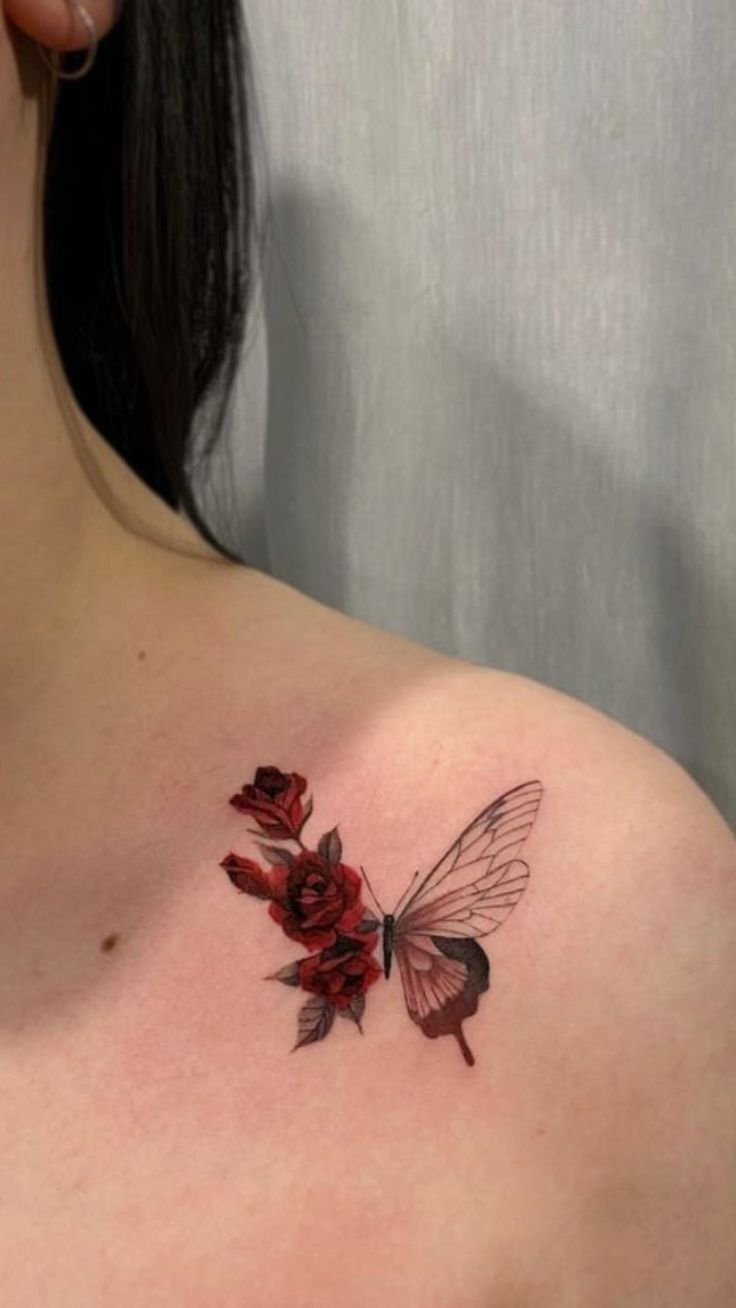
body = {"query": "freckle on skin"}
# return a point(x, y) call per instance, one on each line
point(109, 942)
point(141, 655)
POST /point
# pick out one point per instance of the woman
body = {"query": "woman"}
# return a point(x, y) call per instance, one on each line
point(210, 779)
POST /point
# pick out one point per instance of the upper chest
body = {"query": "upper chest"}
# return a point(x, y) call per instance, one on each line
point(188, 1185)
point(170, 1151)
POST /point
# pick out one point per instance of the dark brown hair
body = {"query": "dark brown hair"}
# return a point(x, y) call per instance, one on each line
point(149, 234)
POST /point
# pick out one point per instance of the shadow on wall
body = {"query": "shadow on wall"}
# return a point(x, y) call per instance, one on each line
point(431, 487)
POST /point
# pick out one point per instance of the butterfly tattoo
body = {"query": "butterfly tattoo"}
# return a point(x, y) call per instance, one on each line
point(432, 933)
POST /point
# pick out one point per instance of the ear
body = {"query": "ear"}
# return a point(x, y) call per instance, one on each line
point(56, 23)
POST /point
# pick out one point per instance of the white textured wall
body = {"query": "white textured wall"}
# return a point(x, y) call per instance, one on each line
point(501, 329)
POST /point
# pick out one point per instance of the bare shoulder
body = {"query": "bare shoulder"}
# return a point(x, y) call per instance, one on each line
point(607, 1039)
point(592, 1140)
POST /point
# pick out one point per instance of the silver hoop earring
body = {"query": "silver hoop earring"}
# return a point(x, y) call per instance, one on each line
point(52, 58)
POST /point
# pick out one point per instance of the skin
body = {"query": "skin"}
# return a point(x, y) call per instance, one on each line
point(160, 1145)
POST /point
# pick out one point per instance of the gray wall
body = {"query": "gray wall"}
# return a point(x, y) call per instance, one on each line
point(490, 400)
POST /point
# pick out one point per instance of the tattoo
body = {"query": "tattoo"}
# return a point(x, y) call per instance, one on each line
point(317, 900)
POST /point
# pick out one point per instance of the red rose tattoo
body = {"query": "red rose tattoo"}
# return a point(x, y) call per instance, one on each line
point(432, 933)
point(313, 900)
point(273, 798)
point(248, 876)
point(316, 900)
point(341, 973)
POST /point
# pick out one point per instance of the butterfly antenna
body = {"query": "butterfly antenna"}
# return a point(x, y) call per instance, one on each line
point(406, 892)
point(371, 891)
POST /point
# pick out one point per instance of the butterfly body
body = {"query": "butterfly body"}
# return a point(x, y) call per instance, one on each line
point(388, 943)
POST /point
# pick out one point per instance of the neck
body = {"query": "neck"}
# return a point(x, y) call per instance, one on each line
point(74, 520)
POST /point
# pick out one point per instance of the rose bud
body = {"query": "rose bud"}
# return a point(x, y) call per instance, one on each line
point(274, 800)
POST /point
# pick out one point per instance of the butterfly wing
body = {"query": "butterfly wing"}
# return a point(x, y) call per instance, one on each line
point(465, 896)
point(443, 981)
point(479, 879)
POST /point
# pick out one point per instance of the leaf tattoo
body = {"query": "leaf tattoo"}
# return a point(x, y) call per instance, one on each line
point(315, 1019)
